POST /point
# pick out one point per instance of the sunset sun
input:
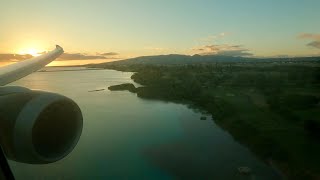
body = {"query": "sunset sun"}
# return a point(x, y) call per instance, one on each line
point(31, 51)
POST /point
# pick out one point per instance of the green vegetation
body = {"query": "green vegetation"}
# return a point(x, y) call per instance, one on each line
point(272, 108)
point(127, 86)
point(178, 59)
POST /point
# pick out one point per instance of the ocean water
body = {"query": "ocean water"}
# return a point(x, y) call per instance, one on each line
point(126, 137)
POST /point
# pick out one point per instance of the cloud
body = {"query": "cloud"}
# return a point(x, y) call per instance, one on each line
point(78, 56)
point(315, 43)
point(64, 57)
point(309, 36)
point(212, 38)
point(155, 48)
point(224, 50)
point(109, 54)
point(14, 57)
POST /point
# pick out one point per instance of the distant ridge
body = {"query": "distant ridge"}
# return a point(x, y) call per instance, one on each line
point(175, 59)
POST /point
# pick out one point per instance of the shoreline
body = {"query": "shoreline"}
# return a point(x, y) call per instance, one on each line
point(244, 124)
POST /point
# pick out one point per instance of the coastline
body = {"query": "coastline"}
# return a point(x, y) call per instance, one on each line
point(244, 114)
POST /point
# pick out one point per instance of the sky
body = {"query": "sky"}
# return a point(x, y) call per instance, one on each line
point(108, 30)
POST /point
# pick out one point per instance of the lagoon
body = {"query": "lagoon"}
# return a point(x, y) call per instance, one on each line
point(126, 137)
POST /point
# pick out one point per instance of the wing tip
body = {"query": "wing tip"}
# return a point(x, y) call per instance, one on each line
point(59, 47)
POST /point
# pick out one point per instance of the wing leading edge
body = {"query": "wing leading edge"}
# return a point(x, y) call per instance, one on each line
point(19, 70)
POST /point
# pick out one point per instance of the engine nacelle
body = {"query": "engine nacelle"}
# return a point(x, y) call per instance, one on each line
point(38, 127)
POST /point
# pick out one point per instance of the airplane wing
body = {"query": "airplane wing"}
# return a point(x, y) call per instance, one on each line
point(36, 127)
point(19, 70)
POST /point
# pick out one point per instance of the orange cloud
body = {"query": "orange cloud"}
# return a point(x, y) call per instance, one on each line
point(309, 36)
point(224, 50)
point(315, 37)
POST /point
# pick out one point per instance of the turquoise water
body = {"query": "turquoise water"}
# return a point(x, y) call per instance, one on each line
point(126, 137)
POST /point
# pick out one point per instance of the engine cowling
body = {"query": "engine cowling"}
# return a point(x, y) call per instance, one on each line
point(38, 127)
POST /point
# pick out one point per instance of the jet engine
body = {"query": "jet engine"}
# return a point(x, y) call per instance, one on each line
point(37, 127)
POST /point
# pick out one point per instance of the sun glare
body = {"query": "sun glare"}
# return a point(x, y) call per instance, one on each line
point(31, 51)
